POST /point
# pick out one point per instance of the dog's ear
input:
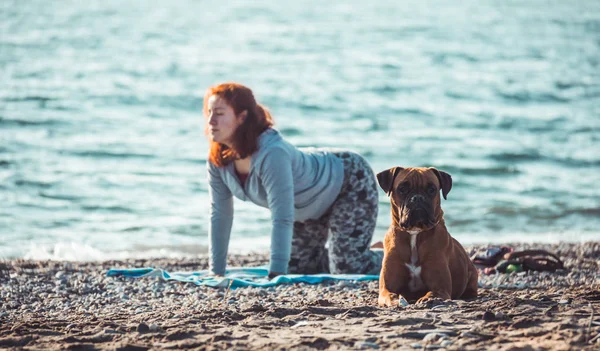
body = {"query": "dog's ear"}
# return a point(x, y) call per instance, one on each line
point(445, 181)
point(386, 178)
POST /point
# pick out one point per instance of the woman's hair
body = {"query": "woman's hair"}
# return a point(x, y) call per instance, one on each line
point(245, 137)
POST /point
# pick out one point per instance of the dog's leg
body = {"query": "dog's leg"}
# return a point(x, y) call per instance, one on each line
point(437, 278)
point(393, 276)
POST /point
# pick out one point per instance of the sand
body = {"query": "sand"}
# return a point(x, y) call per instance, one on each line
point(48, 305)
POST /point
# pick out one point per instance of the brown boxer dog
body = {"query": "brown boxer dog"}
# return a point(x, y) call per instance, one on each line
point(421, 260)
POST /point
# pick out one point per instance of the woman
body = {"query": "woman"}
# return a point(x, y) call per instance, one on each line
point(308, 193)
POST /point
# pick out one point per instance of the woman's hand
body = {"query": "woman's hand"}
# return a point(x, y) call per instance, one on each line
point(274, 274)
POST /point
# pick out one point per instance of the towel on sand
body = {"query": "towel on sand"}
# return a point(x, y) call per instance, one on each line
point(237, 277)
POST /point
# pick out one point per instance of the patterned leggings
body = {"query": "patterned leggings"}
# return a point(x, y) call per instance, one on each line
point(351, 221)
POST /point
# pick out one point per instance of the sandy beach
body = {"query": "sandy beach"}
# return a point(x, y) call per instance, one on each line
point(48, 305)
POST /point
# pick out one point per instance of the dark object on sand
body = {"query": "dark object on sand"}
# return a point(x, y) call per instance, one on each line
point(489, 316)
point(143, 328)
point(490, 256)
point(527, 260)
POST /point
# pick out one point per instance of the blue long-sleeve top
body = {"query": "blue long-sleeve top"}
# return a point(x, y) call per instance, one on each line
point(294, 184)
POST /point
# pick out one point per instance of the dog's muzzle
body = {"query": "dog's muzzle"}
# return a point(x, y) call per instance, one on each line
point(418, 213)
point(418, 217)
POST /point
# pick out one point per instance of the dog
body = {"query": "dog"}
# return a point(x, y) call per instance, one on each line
point(421, 260)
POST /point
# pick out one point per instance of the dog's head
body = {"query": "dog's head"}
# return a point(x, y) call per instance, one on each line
point(415, 196)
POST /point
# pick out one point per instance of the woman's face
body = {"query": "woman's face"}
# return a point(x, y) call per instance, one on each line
point(221, 119)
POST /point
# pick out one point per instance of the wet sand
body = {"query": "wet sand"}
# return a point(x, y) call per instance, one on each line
point(47, 305)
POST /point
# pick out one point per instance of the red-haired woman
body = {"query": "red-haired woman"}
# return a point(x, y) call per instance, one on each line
point(309, 193)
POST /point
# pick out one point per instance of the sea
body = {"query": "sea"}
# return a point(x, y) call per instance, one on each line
point(102, 146)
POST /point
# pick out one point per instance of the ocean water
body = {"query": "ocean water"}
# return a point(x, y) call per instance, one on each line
point(102, 151)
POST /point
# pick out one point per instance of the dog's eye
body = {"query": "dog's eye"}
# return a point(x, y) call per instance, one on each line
point(432, 190)
point(402, 190)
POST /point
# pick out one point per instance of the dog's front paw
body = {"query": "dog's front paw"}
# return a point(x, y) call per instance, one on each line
point(392, 300)
point(430, 299)
point(388, 300)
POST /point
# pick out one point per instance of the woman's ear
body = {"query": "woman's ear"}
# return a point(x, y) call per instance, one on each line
point(243, 115)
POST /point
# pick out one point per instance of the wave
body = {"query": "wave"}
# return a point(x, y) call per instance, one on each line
point(81, 251)
point(60, 197)
point(518, 123)
point(388, 89)
point(583, 212)
point(109, 154)
point(490, 237)
point(564, 85)
point(310, 107)
point(412, 111)
point(535, 156)
point(487, 171)
point(74, 251)
point(461, 96)
point(18, 122)
point(443, 58)
point(179, 102)
point(96, 208)
point(35, 98)
point(291, 131)
point(543, 213)
point(85, 252)
point(526, 96)
point(528, 155)
point(33, 183)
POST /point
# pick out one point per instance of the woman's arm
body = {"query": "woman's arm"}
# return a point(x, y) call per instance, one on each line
point(278, 181)
point(221, 218)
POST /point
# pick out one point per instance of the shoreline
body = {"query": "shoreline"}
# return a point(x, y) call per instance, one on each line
point(73, 305)
point(244, 246)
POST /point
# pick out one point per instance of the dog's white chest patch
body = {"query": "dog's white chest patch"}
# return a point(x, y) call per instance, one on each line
point(415, 283)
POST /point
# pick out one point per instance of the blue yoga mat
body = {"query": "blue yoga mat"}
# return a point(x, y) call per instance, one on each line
point(237, 277)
